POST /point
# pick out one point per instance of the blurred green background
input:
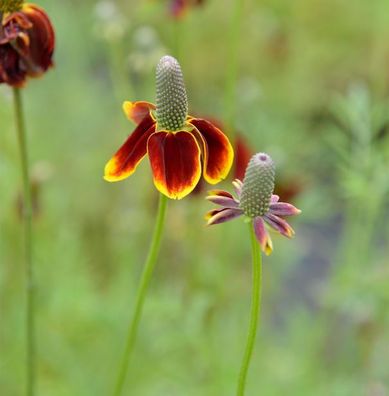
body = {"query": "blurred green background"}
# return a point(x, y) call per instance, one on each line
point(312, 91)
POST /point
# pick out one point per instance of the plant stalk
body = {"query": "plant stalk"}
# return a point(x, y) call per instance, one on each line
point(27, 241)
point(141, 294)
point(255, 311)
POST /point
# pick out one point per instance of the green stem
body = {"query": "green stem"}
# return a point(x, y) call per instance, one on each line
point(255, 311)
point(233, 66)
point(140, 297)
point(27, 220)
point(177, 38)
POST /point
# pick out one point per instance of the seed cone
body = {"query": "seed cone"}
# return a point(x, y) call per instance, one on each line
point(10, 5)
point(258, 185)
point(172, 102)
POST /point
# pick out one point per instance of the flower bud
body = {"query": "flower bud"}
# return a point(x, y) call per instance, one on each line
point(27, 42)
point(258, 185)
point(172, 102)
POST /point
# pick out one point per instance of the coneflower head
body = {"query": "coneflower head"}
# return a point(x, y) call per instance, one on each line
point(171, 101)
point(258, 185)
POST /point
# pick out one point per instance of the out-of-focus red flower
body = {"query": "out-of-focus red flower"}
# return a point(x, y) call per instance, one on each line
point(289, 188)
point(27, 42)
point(243, 153)
point(178, 8)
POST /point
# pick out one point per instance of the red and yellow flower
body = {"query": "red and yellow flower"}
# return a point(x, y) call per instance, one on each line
point(181, 148)
point(27, 42)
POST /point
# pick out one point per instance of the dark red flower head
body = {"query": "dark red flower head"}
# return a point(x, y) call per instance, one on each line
point(26, 42)
point(180, 147)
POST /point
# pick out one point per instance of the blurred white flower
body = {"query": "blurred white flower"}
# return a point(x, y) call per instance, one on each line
point(111, 25)
point(147, 50)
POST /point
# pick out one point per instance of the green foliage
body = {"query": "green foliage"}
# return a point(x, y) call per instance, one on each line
point(312, 92)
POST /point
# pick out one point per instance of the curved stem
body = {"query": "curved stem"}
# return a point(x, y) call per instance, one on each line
point(255, 311)
point(144, 283)
point(27, 220)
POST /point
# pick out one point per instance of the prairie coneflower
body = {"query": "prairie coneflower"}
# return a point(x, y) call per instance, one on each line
point(26, 42)
point(26, 49)
point(180, 147)
point(256, 201)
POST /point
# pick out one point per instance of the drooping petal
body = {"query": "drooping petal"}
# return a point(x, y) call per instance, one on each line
point(41, 40)
point(175, 162)
point(217, 151)
point(10, 71)
point(221, 193)
point(218, 216)
point(223, 201)
point(274, 198)
point(279, 224)
point(127, 158)
point(238, 184)
point(137, 111)
point(262, 236)
point(283, 209)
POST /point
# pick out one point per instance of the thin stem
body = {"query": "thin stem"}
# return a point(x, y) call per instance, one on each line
point(27, 220)
point(255, 311)
point(140, 297)
point(233, 66)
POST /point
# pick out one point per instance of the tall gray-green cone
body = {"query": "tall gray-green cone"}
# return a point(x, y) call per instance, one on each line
point(172, 102)
point(258, 185)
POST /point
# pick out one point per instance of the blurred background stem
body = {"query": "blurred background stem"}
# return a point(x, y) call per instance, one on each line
point(141, 294)
point(177, 38)
point(118, 68)
point(255, 311)
point(232, 63)
point(27, 224)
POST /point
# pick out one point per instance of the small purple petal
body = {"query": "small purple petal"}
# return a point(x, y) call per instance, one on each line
point(274, 198)
point(279, 224)
point(283, 209)
point(220, 216)
point(238, 187)
point(223, 201)
point(221, 193)
point(262, 236)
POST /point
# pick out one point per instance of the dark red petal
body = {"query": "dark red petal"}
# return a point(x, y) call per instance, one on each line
point(217, 152)
point(10, 71)
point(42, 40)
point(127, 158)
point(175, 162)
